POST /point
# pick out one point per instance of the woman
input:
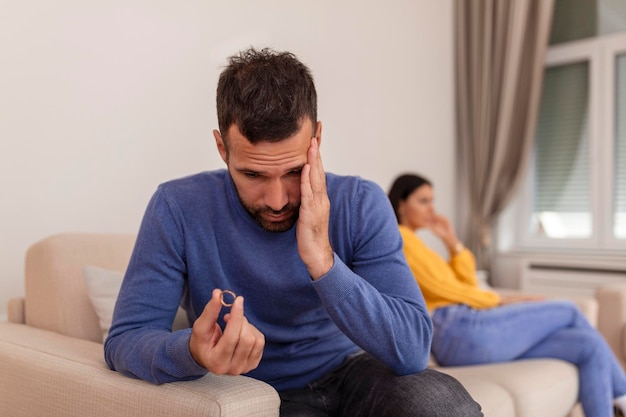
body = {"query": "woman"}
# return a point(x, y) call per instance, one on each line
point(474, 325)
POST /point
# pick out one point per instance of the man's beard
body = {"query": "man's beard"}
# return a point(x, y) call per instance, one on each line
point(276, 227)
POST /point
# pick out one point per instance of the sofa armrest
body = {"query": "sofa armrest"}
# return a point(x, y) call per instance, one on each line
point(43, 372)
point(16, 310)
point(612, 318)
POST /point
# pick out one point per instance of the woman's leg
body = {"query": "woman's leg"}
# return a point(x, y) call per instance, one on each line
point(533, 330)
point(466, 336)
point(601, 378)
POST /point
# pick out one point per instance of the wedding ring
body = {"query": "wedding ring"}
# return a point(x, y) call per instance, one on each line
point(232, 294)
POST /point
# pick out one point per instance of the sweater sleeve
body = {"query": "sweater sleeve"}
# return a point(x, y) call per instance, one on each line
point(463, 265)
point(140, 342)
point(445, 283)
point(374, 299)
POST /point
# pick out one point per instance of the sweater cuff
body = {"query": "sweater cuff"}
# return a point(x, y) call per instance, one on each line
point(187, 365)
point(337, 284)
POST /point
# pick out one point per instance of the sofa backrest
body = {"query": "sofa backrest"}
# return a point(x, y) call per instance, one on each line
point(56, 297)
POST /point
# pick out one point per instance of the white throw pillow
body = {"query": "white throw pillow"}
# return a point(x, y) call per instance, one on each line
point(103, 286)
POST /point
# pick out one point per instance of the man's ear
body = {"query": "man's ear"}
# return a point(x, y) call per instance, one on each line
point(221, 146)
point(318, 133)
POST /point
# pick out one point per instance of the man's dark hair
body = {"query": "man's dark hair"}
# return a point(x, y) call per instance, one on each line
point(267, 94)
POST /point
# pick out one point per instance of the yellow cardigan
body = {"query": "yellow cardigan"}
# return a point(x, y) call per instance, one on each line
point(444, 283)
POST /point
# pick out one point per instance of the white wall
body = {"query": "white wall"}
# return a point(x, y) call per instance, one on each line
point(100, 101)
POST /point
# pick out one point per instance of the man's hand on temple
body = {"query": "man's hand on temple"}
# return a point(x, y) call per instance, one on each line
point(312, 229)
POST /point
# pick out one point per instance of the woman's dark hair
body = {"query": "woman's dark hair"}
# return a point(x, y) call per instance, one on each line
point(267, 94)
point(402, 187)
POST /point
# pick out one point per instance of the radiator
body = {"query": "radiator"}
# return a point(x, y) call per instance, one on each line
point(563, 278)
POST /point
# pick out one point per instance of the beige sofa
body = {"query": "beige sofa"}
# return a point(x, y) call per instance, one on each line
point(51, 358)
point(612, 317)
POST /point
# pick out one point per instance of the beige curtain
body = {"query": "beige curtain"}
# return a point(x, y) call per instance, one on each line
point(500, 49)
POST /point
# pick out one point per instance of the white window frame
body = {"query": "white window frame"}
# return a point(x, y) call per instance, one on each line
point(600, 53)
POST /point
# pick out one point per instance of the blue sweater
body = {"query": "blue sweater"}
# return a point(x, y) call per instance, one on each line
point(196, 236)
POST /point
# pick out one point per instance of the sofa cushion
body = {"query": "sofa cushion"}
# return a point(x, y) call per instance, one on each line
point(494, 399)
point(538, 387)
point(103, 286)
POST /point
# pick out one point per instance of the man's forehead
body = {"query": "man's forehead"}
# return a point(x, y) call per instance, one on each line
point(307, 126)
point(269, 157)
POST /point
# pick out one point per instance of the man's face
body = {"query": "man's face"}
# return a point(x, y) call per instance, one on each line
point(267, 175)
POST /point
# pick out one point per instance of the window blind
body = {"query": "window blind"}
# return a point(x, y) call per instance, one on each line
point(562, 171)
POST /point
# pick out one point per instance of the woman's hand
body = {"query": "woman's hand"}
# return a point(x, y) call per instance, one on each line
point(441, 227)
point(519, 298)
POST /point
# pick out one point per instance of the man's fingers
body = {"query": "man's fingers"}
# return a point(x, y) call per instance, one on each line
point(211, 311)
point(305, 182)
point(235, 350)
point(206, 332)
point(312, 229)
point(230, 337)
point(241, 347)
point(317, 174)
point(249, 350)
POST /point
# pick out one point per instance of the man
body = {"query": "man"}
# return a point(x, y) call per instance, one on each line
point(333, 318)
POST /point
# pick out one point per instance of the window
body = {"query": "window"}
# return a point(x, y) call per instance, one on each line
point(575, 193)
point(561, 183)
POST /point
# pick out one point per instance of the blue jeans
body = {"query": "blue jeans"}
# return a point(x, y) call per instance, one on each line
point(363, 387)
point(548, 329)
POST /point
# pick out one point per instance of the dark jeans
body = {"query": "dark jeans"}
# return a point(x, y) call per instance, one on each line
point(363, 387)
